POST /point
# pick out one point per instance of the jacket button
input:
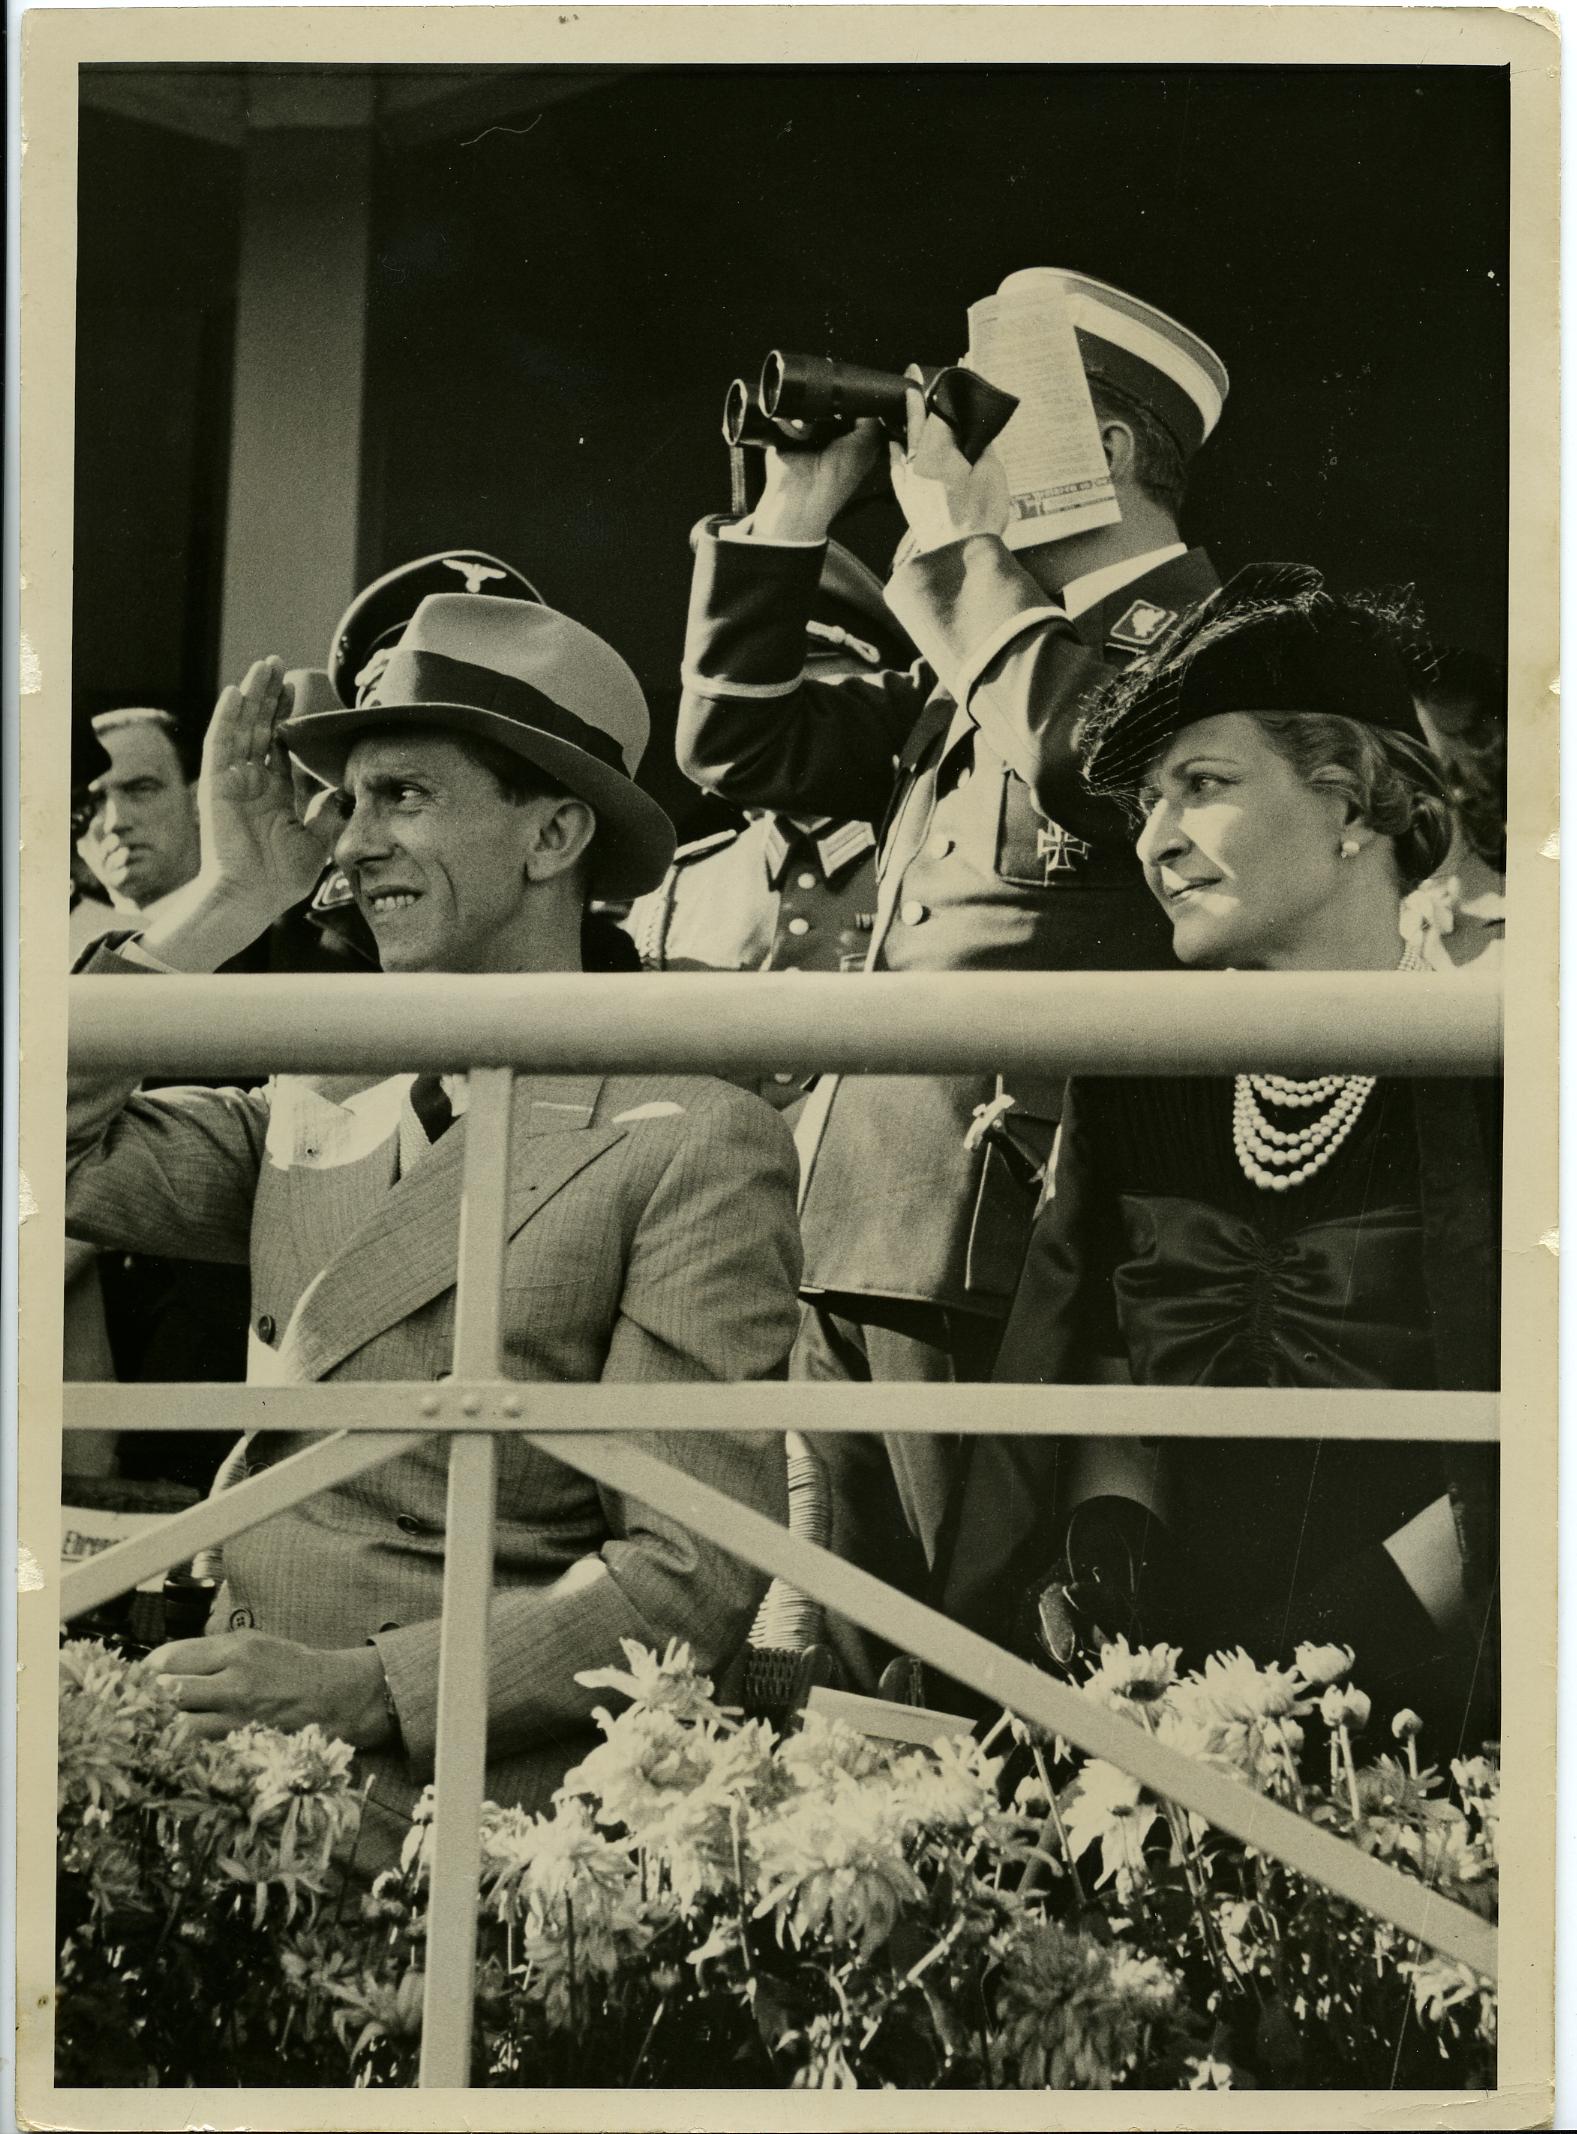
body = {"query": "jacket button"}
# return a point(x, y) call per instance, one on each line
point(939, 847)
point(242, 1619)
point(799, 926)
point(408, 1523)
point(806, 881)
point(914, 913)
point(266, 1328)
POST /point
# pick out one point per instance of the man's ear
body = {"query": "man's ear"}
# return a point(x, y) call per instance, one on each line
point(559, 834)
point(1117, 441)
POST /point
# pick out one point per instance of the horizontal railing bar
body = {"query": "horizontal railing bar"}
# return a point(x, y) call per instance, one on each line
point(1018, 1410)
point(1041, 1023)
point(89, 1584)
point(1039, 1698)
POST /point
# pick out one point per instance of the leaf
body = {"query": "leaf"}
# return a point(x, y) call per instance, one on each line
point(777, 2016)
point(1277, 2040)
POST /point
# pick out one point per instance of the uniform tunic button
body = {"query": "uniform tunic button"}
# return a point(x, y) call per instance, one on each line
point(940, 847)
point(799, 926)
point(265, 1328)
point(785, 1079)
point(807, 881)
point(913, 913)
point(964, 777)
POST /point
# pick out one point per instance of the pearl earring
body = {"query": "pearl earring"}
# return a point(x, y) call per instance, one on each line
point(1349, 848)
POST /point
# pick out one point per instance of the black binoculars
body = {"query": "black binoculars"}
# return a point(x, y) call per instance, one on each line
point(804, 401)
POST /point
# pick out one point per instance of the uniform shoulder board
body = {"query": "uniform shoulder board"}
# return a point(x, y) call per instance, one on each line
point(1138, 627)
point(701, 846)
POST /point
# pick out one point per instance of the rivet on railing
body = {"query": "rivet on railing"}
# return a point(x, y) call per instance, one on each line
point(470, 1405)
point(513, 1408)
point(431, 1405)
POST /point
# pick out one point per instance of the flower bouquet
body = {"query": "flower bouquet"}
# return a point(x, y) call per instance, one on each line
point(712, 1903)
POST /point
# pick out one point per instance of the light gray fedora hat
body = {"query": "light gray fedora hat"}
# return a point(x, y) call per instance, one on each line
point(529, 680)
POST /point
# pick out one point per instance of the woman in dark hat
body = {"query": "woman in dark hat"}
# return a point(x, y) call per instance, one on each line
point(1254, 1229)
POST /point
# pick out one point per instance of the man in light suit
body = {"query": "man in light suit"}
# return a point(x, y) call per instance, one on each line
point(486, 786)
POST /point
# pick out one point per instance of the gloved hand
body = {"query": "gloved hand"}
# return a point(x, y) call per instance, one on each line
point(943, 497)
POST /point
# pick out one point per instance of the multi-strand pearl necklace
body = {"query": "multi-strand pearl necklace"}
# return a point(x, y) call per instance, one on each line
point(1277, 1158)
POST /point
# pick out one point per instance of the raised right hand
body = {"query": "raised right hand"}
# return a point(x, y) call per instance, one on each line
point(256, 852)
point(258, 858)
point(805, 490)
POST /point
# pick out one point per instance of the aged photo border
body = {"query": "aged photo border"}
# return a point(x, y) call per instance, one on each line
point(54, 43)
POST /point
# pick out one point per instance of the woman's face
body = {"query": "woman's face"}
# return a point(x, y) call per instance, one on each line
point(1241, 854)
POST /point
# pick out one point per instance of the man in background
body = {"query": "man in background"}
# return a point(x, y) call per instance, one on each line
point(136, 822)
point(783, 892)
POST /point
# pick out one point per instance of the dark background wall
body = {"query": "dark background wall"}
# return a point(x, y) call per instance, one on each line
point(560, 292)
point(157, 232)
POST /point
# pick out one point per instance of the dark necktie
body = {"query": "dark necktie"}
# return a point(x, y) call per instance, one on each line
point(431, 1106)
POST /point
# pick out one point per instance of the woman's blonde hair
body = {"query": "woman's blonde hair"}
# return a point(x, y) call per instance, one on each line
point(1393, 783)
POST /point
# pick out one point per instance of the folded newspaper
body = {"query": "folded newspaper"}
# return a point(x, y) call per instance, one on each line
point(1023, 340)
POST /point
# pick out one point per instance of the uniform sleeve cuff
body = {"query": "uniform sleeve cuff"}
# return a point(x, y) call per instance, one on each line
point(744, 530)
point(750, 602)
point(963, 604)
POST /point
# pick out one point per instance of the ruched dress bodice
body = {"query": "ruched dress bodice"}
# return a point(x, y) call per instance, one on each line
point(1206, 1295)
point(1156, 1259)
point(1192, 1275)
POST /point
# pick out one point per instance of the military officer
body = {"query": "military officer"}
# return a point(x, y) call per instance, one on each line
point(783, 892)
point(917, 1196)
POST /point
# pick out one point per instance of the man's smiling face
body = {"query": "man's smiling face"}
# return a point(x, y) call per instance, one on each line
point(435, 853)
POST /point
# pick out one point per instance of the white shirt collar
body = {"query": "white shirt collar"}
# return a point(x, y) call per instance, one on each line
point(1082, 594)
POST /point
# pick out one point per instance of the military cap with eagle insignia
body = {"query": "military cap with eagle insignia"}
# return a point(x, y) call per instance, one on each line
point(380, 611)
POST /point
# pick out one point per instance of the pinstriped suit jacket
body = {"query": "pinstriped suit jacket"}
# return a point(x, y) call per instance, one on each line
point(647, 1248)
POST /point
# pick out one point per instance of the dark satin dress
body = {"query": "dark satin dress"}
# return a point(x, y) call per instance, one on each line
point(1155, 1258)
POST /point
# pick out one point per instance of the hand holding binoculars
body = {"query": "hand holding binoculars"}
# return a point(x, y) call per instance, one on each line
point(802, 402)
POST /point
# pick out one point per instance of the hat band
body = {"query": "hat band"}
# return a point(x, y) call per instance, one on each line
point(413, 679)
point(1144, 383)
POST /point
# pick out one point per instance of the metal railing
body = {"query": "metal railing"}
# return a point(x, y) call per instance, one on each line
point(1157, 1023)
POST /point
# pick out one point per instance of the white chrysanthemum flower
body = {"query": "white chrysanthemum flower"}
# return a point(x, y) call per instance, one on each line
point(1127, 1675)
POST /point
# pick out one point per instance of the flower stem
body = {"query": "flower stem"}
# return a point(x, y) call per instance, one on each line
point(1351, 1770)
point(1053, 1823)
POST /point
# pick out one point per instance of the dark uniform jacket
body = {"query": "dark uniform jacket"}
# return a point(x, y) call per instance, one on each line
point(993, 857)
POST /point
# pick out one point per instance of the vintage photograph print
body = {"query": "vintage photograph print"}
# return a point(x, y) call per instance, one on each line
point(974, 1517)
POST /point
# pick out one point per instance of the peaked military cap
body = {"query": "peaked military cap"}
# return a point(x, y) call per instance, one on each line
point(1138, 349)
point(381, 610)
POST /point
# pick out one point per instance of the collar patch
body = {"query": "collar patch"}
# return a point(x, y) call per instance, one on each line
point(1140, 625)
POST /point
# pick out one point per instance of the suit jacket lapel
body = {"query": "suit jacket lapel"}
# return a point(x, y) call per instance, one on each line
point(405, 1254)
